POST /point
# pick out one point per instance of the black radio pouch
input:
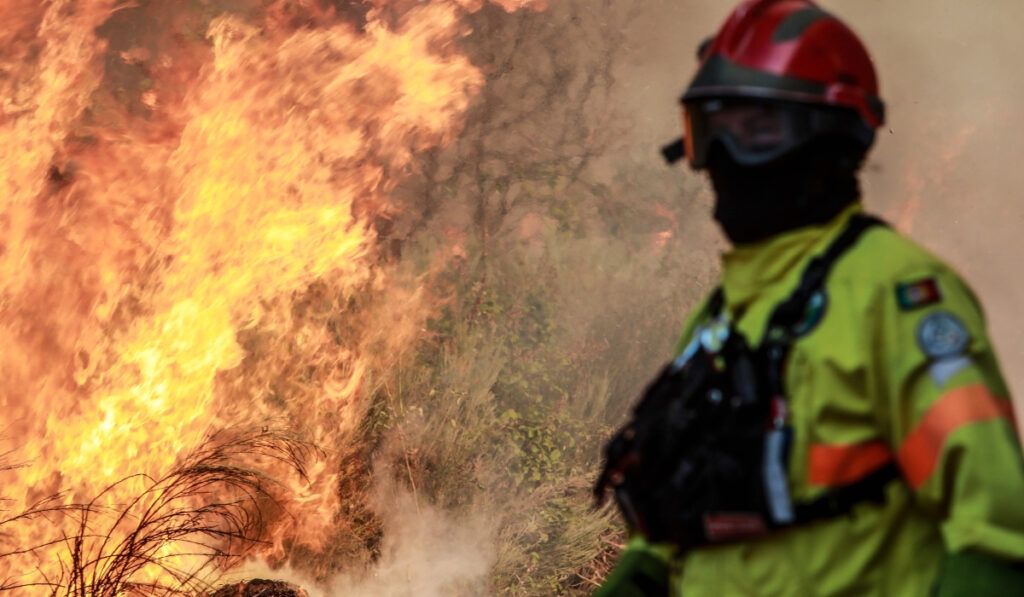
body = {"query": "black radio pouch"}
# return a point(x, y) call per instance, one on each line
point(703, 458)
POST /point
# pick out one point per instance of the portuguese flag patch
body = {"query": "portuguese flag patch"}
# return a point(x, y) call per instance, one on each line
point(919, 293)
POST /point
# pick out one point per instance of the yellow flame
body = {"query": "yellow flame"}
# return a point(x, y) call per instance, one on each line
point(134, 251)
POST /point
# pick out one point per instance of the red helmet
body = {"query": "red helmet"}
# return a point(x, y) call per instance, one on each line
point(780, 54)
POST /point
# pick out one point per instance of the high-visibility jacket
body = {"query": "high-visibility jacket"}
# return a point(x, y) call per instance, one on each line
point(896, 367)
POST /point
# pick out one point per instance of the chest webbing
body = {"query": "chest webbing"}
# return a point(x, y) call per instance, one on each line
point(778, 340)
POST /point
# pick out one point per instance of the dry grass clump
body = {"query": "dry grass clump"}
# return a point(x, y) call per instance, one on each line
point(505, 408)
point(211, 508)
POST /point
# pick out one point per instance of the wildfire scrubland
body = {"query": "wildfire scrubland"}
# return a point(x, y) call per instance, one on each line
point(342, 293)
point(254, 271)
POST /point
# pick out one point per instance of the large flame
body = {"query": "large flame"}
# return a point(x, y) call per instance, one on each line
point(143, 230)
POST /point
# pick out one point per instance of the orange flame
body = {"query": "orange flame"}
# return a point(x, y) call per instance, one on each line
point(137, 245)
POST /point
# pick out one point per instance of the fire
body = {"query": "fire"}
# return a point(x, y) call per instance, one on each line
point(143, 232)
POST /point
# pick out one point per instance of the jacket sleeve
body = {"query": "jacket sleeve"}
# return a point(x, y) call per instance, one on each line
point(947, 412)
point(643, 570)
point(972, 573)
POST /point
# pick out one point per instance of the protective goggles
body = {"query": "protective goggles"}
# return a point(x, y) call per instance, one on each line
point(757, 131)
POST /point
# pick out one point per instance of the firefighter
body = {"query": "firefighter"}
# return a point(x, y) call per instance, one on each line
point(901, 471)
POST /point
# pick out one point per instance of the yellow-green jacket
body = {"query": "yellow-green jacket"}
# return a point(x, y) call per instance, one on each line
point(898, 367)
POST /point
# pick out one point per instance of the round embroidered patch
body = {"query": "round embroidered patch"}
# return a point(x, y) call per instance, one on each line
point(942, 334)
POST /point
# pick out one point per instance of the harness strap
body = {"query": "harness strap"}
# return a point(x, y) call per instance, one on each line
point(791, 310)
point(838, 500)
point(779, 336)
point(778, 340)
point(716, 303)
point(841, 500)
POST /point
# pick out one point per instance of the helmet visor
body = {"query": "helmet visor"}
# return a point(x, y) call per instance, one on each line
point(754, 132)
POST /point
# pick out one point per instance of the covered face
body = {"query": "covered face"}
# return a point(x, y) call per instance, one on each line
point(780, 113)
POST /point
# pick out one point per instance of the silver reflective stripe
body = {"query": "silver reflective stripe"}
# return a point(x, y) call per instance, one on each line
point(945, 368)
point(688, 352)
point(776, 485)
point(712, 336)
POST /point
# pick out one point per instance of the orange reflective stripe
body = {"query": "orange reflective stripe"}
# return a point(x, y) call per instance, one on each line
point(834, 465)
point(921, 450)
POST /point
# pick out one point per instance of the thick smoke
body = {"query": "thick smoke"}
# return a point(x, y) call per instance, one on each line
point(425, 551)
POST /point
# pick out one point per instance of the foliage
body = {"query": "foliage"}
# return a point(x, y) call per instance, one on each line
point(562, 293)
point(525, 371)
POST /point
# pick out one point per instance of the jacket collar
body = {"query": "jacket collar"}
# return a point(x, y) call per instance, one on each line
point(748, 270)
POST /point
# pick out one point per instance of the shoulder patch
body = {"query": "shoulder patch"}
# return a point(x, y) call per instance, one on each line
point(942, 334)
point(919, 293)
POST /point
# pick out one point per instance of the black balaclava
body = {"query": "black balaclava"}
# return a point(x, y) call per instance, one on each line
point(809, 185)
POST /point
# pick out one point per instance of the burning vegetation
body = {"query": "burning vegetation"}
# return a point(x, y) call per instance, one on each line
point(328, 292)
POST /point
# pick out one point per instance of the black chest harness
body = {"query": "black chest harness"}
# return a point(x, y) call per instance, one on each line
point(703, 459)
